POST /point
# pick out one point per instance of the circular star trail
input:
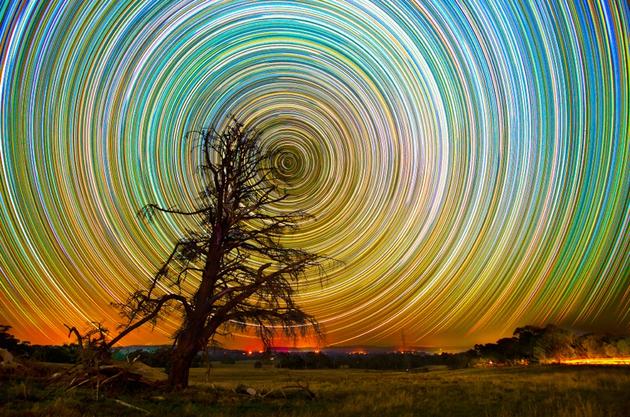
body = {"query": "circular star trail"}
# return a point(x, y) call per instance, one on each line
point(466, 161)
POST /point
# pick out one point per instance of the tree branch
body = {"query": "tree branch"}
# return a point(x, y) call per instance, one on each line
point(156, 311)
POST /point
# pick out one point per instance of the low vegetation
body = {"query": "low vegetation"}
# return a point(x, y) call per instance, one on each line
point(509, 378)
point(245, 390)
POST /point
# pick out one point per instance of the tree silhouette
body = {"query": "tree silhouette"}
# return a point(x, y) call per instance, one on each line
point(240, 272)
point(10, 342)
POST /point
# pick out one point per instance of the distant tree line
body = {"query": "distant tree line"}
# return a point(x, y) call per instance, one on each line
point(551, 343)
point(528, 345)
point(380, 361)
point(67, 353)
point(159, 356)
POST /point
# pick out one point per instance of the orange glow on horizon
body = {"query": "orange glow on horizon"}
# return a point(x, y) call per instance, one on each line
point(596, 361)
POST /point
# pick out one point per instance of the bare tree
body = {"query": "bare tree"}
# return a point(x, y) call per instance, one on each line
point(240, 272)
point(92, 344)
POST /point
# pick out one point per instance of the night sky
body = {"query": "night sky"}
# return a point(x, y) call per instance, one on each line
point(467, 161)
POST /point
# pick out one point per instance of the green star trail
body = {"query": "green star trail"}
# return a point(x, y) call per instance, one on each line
point(468, 162)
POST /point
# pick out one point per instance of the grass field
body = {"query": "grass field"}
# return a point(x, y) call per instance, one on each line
point(528, 391)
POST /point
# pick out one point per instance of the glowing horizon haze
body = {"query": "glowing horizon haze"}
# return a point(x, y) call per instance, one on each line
point(467, 161)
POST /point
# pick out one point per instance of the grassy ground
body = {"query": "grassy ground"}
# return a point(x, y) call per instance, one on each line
point(503, 392)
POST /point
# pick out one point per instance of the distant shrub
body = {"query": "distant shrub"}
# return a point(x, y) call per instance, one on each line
point(309, 360)
point(11, 343)
point(55, 354)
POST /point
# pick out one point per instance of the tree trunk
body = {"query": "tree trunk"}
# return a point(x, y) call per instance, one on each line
point(180, 367)
point(188, 344)
point(193, 336)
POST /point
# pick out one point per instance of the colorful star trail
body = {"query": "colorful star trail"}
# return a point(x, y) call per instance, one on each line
point(468, 161)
